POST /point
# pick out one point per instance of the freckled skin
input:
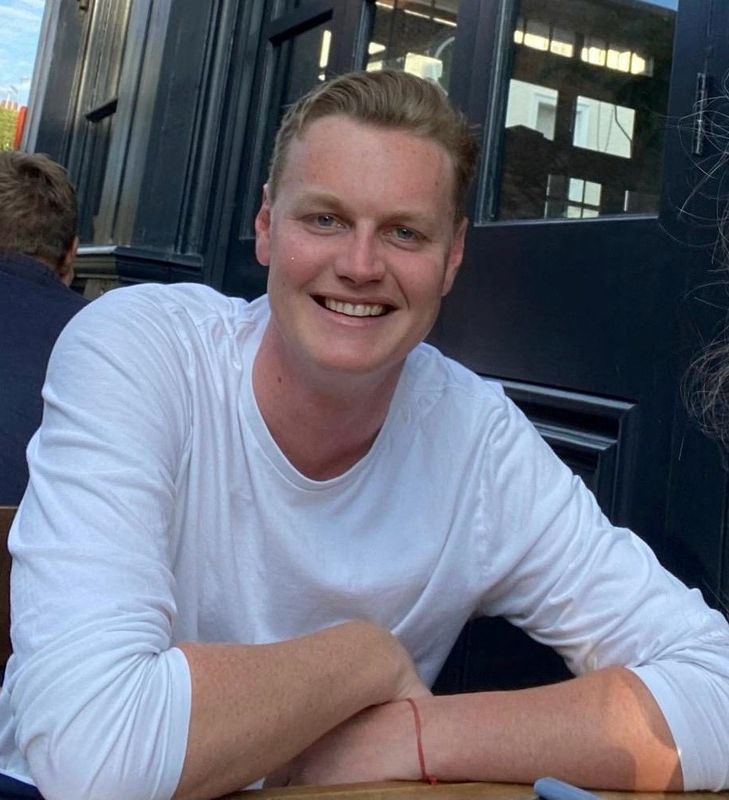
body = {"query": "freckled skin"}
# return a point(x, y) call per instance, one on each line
point(362, 215)
point(376, 186)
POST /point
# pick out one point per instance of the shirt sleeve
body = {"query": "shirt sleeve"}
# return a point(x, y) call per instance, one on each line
point(100, 697)
point(557, 568)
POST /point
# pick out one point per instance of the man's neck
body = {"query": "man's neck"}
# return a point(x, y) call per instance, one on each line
point(323, 424)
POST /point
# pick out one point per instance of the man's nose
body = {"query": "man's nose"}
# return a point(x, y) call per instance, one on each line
point(360, 260)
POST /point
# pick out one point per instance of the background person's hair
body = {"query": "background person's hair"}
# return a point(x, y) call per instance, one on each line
point(706, 386)
point(38, 211)
point(389, 99)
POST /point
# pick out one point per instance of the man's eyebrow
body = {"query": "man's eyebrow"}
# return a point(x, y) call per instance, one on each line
point(408, 216)
point(312, 197)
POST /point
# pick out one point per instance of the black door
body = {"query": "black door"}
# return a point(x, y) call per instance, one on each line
point(576, 287)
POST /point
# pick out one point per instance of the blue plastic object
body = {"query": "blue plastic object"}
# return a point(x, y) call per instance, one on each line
point(554, 789)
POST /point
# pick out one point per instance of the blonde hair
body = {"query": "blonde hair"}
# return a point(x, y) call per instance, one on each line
point(389, 99)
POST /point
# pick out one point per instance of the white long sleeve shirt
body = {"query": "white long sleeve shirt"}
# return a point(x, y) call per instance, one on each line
point(161, 510)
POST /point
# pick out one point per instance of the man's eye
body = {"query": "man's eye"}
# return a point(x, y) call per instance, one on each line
point(325, 220)
point(405, 234)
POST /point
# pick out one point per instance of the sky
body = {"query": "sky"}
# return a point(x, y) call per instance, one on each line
point(20, 22)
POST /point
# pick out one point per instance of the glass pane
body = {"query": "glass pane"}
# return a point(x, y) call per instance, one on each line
point(304, 60)
point(586, 111)
point(416, 36)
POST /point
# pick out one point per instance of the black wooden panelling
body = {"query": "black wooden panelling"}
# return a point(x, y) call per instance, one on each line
point(128, 265)
point(97, 102)
point(58, 74)
point(592, 435)
point(491, 655)
point(183, 142)
point(177, 135)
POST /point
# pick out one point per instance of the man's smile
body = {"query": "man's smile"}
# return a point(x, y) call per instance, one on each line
point(354, 309)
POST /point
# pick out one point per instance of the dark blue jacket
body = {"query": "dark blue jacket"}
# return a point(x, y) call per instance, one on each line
point(34, 307)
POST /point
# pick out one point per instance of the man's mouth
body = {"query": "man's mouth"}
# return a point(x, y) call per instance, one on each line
point(354, 309)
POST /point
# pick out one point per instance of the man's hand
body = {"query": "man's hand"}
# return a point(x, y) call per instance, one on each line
point(303, 688)
point(410, 684)
point(378, 744)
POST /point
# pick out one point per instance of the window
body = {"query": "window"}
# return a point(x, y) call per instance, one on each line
point(585, 114)
point(415, 36)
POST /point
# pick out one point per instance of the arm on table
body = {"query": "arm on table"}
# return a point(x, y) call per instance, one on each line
point(104, 704)
point(601, 730)
point(254, 707)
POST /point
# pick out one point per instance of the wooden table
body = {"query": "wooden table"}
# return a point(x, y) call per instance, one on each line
point(402, 790)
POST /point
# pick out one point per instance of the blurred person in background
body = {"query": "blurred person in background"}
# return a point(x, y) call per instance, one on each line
point(38, 242)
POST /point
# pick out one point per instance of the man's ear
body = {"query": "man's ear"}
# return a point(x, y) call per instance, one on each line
point(263, 229)
point(65, 268)
point(455, 256)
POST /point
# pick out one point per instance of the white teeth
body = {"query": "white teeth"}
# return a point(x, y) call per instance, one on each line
point(354, 309)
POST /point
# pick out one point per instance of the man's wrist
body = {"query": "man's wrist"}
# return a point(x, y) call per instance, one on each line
point(425, 775)
point(390, 673)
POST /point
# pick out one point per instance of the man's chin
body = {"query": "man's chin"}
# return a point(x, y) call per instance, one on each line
point(360, 366)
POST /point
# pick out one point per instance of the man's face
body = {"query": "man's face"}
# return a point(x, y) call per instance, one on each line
point(361, 245)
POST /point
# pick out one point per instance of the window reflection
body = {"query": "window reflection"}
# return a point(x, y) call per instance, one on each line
point(537, 34)
point(304, 60)
point(415, 36)
point(540, 35)
point(586, 109)
point(532, 106)
point(604, 127)
point(572, 197)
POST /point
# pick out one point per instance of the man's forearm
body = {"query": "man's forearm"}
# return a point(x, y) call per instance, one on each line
point(255, 706)
point(601, 730)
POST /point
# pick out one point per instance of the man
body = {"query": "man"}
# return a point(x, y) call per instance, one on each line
point(37, 248)
point(252, 533)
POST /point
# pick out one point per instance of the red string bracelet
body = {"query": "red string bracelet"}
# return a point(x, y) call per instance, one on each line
point(424, 776)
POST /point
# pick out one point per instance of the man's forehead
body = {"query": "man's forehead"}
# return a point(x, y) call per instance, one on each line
point(335, 122)
point(328, 141)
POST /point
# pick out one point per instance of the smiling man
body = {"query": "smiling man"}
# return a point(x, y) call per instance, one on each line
point(361, 235)
point(254, 531)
